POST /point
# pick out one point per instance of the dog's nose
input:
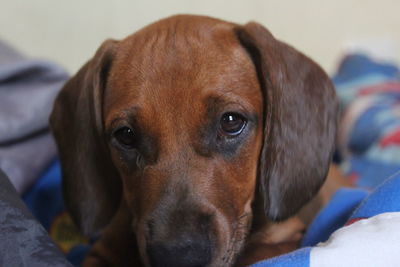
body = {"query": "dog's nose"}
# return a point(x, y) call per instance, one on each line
point(189, 250)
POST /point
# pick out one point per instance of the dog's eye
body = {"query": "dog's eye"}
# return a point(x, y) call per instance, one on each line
point(125, 136)
point(232, 124)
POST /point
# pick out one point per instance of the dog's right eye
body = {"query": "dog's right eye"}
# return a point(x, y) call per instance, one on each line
point(232, 124)
point(125, 136)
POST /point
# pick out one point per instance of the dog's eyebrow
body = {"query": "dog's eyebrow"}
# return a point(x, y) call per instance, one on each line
point(215, 103)
point(127, 115)
point(131, 113)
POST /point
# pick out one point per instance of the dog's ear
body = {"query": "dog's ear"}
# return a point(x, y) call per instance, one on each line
point(300, 119)
point(91, 184)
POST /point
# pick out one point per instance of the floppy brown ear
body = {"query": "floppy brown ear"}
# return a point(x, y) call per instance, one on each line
point(300, 119)
point(90, 182)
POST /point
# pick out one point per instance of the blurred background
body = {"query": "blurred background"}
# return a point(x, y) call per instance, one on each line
point(68, 32)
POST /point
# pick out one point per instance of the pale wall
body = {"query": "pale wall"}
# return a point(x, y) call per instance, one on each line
point(68, 32)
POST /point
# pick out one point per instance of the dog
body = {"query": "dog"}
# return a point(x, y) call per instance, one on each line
point(187, 143)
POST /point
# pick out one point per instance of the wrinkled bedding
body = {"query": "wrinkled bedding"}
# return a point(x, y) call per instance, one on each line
point(27, 91)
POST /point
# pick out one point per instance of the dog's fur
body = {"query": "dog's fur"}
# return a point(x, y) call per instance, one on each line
point(187, 194)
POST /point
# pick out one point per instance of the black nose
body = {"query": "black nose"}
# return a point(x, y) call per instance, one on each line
point(189, 250)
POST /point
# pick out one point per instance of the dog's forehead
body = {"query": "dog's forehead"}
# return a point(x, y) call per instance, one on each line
point(179, 62)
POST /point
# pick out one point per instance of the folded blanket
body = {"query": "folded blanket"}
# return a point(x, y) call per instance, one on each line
point(27, 91)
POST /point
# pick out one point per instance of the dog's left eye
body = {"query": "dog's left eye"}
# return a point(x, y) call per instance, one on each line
point(125, 136)
point(232, 124)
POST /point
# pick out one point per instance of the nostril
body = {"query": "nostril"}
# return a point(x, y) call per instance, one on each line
point(184, 252)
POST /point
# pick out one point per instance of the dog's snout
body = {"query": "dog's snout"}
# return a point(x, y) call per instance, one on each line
point(189, 250)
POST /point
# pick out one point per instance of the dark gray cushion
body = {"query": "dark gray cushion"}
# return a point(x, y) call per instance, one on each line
point(23, 241)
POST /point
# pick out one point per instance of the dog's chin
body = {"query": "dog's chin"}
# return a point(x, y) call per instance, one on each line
point(225, 255)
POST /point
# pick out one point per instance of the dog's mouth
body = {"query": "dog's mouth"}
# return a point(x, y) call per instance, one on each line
point(189, 254)
point(196, 248)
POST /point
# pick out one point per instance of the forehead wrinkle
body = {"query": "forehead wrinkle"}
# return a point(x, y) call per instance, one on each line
point(167, 71)
point(177, 45)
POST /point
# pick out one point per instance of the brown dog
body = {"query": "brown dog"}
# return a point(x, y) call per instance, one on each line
point(183, 141)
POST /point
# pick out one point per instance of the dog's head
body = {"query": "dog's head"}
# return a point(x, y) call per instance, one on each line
point(188, 121)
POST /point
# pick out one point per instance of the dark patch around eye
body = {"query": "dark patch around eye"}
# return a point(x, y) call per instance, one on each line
point(135, 151)
point(211, 142)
